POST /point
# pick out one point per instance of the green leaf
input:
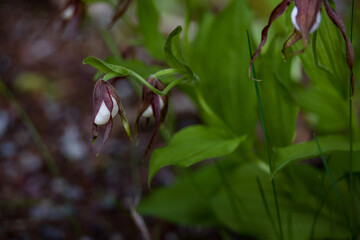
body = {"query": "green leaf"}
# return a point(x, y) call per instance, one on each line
point(111, 69)
point(148, 17)
point(191, 145)
point(220, 57)
point(185, 202)
point(280, 110)
point(174, 56)
point(325, 60)
point(297, 215)
point(326, 110)
point(295, 153)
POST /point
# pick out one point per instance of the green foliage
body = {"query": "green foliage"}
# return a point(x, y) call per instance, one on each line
point(227, 195)
point(111, 70)
point(174, 56)
point(279, 108)
point(148, 17)
point(220, 57)
point(191, 145)
point(307, 150)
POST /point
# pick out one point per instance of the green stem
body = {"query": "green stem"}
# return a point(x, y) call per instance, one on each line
point(165, 72)
point(210, 115)
point(321, 204)
point(44, 150)
point(228, 191)
point(50, 162)
point(334, 185)
point(266, 205)
point(351, 187)
point(160, 73)
point(266, 141)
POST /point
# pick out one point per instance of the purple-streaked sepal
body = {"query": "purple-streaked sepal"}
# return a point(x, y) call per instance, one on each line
point(155, 104)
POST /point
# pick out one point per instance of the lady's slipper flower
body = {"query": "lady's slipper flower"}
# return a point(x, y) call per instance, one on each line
point(106, 106)
point(306, 19)
point(152, 105)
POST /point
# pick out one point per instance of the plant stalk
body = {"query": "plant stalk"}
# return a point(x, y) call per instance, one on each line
point(266, 142)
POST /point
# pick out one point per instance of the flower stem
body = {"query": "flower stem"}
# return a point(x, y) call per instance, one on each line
point(165, 72)
point(160, 73)
point(266, 206)
point(351, 187)
point(266, 141)
point(334, 185)
point(44, 150)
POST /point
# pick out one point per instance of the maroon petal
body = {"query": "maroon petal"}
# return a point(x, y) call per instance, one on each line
point(107, 98)
point(108, 129)
point(277, 12)
point(165, 100)
point(294, 37)
point(157, 114)
point(336, 19)
point(97, 97)
point(94, 133)
point(306, 17)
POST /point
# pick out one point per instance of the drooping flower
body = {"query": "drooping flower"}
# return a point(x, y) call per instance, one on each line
point(106, 105)
point(152, 105)
point(70, 15)
point(306, 19)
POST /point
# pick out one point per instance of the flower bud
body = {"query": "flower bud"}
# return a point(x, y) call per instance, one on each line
point(152, 105)
point(106, 105)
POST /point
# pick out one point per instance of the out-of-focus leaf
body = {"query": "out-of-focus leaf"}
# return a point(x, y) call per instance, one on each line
point(253, 219)
point(330, 72)
point(174, 56)
point(295, 153)
point(280, 110)
point(327, 111)
point(36, 82)
point(148, 17)
point(220, 57)
point(185, 202)
point(191, 145)
point(111, 69)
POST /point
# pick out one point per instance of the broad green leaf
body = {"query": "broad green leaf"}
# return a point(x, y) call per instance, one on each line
point(220, 57)
point(148, 17)
point(174, 56)
point(185, 202)
point(111, 69)
point(297, 216)
point(191, 145)
point(326, 110)
point(301, 151)
point(280, 110)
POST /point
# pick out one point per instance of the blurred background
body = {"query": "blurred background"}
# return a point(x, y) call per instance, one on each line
point(52, 185)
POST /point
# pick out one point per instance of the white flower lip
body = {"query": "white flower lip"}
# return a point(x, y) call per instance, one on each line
point(149, 111)
point(68, 13)
point(296, 25)
point(103, 115)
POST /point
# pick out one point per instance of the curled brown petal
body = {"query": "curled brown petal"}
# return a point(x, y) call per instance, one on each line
point(277, 12)
point(121, 8)
point(336, 19)
point(294, 37)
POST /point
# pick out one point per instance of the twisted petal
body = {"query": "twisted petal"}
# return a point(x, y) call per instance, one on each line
point(336, 19)
point(277, 12)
